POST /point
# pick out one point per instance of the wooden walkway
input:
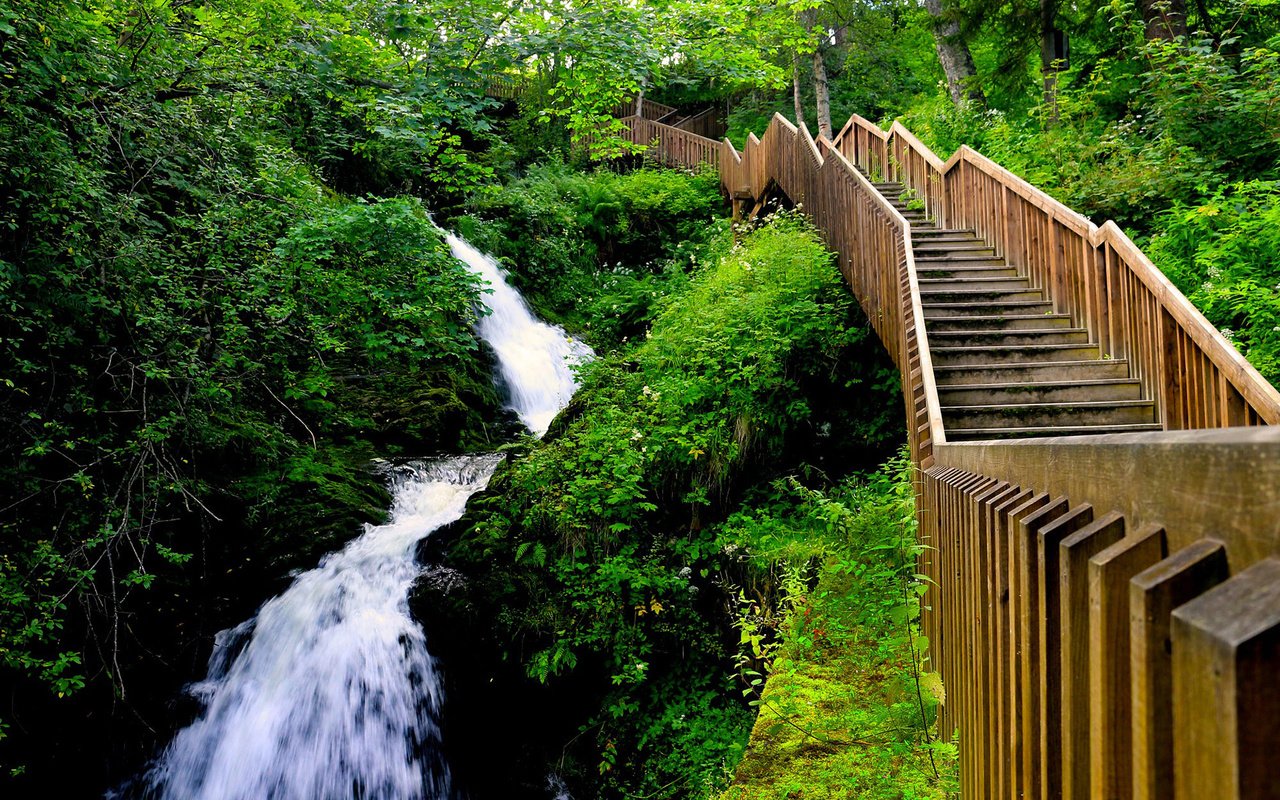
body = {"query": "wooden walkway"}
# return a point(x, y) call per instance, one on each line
point(1104, 607)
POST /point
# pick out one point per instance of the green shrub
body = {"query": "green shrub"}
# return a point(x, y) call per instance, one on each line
point(594, 250)
point(1224, 254)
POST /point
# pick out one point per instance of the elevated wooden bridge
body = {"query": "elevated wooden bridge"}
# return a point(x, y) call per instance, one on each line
point(1099, 484)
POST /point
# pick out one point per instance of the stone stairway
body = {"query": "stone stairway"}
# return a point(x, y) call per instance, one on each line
point(1006, 365)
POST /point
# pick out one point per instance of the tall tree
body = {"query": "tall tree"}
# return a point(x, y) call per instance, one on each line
point(954, 55)
point(821, 90)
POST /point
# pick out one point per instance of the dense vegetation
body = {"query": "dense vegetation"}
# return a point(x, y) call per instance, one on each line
point(848, 701)
point(604, 556)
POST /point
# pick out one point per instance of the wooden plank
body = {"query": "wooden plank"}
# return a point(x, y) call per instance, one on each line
point(1033, 655)
point(1049, 591)
point(985, 672)
point(1020, 748)
point(1226, 690)
point(1153, 594)
point(1111, 750)
point(978, 567)
point(1074, 553)
point(997, 597)
point(1007, 755)
point(1227, 481)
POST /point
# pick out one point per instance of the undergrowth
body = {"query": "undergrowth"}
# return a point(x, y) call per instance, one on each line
point(835, 663)
point(603, 552)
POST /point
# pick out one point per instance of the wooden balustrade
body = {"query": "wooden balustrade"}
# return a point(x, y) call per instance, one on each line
point(507, 87)
point(1107, 285)
point(1097, 275)
point(865, 146)
point(1108, 620)
point(708, 123)
point(1104, 610)
point(872, 242)
point(672, 146)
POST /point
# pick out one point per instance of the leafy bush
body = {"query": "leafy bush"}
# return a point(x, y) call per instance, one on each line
point(1224, 254)
point(849, 704)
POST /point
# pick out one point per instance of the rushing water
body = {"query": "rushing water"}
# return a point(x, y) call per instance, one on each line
point(535, 358)
point(334, 694)
point(329, 692)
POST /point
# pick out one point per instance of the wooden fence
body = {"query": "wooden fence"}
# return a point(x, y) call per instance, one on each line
point(671, 145)
point(1095, 274)
point(650, 110)
point(708, 123)
point(1104, 610)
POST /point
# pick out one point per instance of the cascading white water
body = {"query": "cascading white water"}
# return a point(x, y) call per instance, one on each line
point(535, 358)
point(334, 695)
point(329, 693)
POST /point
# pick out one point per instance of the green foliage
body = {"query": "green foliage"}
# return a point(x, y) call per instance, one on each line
point(601, 551)
point(1223, 254)
point(199, 338)
point(886, 63)
point(597, 250)
point(848, 705)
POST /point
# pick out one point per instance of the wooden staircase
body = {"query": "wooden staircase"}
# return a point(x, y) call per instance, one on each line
point(1005, 363)
point(1103, 609)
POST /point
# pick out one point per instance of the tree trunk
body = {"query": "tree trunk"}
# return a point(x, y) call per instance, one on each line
point(1048, 64)
point(1164, 19)
point(954, 56)
point(822, 94)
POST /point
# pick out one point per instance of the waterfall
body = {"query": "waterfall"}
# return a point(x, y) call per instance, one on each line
point(535, 359)
point(334, 694)
point(329, 692)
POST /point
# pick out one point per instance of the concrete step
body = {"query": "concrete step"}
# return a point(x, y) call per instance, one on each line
point(979, 434)
point(1046, 415)
point(990, 296)
point(944, 232)
point(946, 262)
point(968, 283)
point(936, 309)
point(1026, 373)
point(965, 272)
point(973, 247)
point(1011, 322)
point(978, 394)
point(1008, 338)
point(1011, 354)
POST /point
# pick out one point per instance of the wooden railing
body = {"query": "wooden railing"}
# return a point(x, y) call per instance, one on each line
point(1105, 610)
point(673, 146)
point(507, 87)
point(1097, 275)
point(706, 123)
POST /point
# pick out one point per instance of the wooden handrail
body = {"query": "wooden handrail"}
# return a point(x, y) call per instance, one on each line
point(673, 145)
point(649, 109)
